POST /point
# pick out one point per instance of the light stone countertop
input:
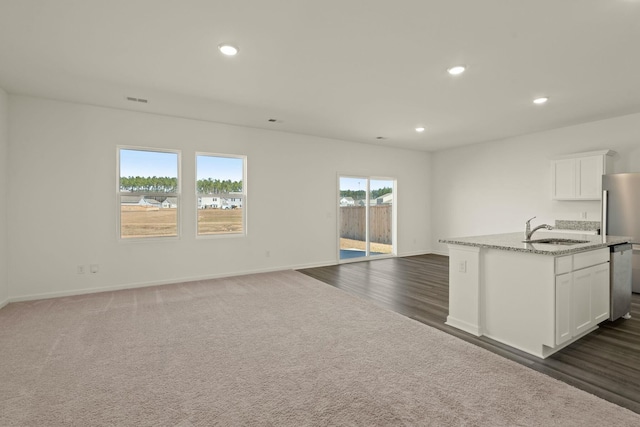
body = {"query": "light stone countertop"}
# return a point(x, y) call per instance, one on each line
point(513, 242)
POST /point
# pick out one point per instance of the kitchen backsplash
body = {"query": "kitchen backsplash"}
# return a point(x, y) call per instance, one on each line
point(577, 225)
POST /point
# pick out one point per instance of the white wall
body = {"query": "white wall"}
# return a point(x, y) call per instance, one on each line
point(4, 177)
point(496, 186)
point(62, 209)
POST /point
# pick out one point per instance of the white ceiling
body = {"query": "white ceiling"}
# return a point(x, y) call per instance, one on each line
point(346, 69)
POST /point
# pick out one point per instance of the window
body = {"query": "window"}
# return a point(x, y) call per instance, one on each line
point(221, 194)
point(148, 192)
point(366, 219)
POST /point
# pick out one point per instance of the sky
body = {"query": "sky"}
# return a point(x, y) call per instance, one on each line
point(154, 163)
point(355, 184)
point(222, 168)
point(148, 163)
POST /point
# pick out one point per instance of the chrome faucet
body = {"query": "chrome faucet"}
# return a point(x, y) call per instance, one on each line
point(528, 232)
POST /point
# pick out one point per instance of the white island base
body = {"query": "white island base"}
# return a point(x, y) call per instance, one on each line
point(537, 303)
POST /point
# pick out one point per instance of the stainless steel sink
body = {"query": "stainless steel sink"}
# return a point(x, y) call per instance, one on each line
point(566, 242)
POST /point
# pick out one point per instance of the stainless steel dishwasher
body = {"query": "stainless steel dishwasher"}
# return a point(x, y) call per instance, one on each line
point(620, 281)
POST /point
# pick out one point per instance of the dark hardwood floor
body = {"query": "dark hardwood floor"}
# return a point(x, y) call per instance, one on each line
point(605, 363)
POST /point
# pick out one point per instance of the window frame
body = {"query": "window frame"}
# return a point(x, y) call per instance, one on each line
point(177, 194)
point(394, 217)
point(244, 196)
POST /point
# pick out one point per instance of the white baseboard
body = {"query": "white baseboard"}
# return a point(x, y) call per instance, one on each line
point(463, 326)
point(85, 291)
point(3, 303)
point(444, 253)
point(415, 253)
point(119, 287)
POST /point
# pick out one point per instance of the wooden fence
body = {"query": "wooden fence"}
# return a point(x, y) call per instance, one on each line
point(353, 223)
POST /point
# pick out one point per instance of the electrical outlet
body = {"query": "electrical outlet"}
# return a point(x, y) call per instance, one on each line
point(462, 266)
point(80, 269)
point(94, 268)
point(583, 215)
point(267, 254)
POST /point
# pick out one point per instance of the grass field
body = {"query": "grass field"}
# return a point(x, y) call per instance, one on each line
point(163, 222)
point(216, 221)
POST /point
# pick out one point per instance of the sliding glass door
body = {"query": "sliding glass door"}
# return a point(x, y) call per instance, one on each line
point(366, 219)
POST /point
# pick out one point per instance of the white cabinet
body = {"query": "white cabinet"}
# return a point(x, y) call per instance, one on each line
point(600, 293)
point(564, 330)
point(582, 295)
point(564, 178)
point(537, 303)
point(589, 171)
point(579, 176)
point(581, 304)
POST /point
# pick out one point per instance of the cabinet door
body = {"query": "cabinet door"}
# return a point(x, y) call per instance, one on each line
point(600, 293)
point(564, 179)
point(581, 300)
point(589, 172)
point(563, 308)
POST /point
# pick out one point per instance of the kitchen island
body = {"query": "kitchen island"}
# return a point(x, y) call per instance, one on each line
point(536, 297)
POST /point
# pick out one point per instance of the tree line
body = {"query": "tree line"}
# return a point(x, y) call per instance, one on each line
point(165, 184)
point(216, 186)
point(360, 194)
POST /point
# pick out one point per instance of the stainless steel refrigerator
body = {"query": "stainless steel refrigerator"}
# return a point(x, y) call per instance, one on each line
point(621, 214)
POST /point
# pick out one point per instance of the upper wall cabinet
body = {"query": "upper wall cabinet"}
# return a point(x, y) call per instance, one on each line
point(579, 176)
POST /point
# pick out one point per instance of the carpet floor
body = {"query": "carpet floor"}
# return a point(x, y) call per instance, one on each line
point(273, 349)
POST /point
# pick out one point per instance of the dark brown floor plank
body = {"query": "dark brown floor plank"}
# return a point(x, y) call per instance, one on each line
point(605, 363)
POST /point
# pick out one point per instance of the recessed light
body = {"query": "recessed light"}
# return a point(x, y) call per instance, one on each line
point(420, 129)
point(458, 69)
point(228, 49)
point(540, 100)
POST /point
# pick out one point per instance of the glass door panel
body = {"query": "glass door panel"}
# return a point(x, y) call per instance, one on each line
point(381, 197)
point(352, 202)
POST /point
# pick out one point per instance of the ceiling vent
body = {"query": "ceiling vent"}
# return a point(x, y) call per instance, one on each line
point(142, 100)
